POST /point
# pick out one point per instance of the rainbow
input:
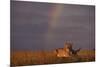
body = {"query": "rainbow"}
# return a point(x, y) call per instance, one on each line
point(55, 14)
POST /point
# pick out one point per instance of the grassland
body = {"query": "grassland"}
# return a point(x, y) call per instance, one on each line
point(20, 58)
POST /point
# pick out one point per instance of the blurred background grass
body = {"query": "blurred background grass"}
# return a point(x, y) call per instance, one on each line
point(20, 58)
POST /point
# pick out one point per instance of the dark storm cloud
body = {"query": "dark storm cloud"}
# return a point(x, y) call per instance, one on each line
point(76, 24)
point(33, 13)
point(30, 25)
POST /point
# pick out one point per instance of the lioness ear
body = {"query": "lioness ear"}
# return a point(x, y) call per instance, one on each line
point(56, 51)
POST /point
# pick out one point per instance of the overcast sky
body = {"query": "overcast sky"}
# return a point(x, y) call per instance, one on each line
point(41, 26)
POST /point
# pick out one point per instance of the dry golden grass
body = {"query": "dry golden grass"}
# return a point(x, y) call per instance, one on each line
point(20, 58)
